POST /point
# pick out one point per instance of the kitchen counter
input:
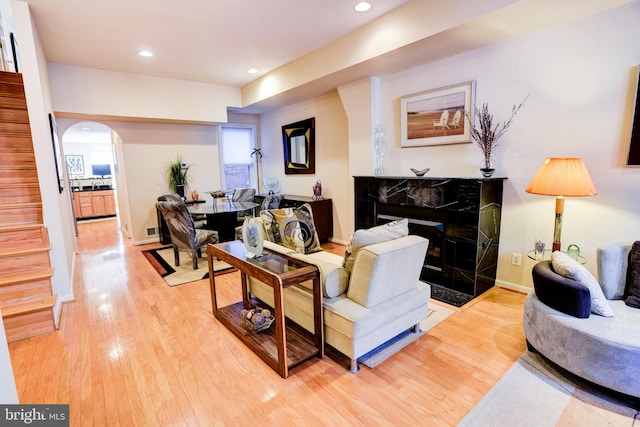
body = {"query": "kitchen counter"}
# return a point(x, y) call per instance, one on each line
point(91, 184)
point(90, 188)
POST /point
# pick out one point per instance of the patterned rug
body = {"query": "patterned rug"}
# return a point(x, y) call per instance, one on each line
point(163, 262)
point(534, 392)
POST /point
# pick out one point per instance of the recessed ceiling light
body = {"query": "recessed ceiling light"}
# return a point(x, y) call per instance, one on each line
point(252, 71)
point(362, 6)
point(145, 53)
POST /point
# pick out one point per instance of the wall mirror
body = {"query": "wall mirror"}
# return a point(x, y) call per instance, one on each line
point(298, 141)
point(633, 157)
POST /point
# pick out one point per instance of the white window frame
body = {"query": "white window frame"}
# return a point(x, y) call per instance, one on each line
point(253, 170)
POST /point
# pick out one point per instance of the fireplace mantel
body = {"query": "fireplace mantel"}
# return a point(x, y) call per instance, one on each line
point(459, 216)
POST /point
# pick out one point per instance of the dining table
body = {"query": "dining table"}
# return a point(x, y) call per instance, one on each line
point(222, 215)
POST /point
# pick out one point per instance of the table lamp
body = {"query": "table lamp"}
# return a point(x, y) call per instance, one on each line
point(561, 177)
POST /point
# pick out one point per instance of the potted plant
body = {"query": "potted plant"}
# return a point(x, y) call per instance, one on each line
point(177, 176)
point(487, 134)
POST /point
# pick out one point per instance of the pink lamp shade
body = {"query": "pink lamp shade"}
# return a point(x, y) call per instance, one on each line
point(561, 177)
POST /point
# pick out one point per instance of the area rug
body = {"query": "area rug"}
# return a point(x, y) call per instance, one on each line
point(435, 315)
point(163, 262)
point(534, 392)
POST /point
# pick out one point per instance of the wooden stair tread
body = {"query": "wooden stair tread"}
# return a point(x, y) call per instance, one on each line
point(21, 205)
point(28, 307)
point(30, 276)
point(19, 227)
point(28, 251)
point(20, 184)
point(26, 301)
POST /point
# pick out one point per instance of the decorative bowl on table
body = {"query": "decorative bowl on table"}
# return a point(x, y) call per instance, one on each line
point(420, 172)
point(218, 194)
point(257, 319)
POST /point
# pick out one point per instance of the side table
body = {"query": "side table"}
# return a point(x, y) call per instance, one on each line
point(279, 272)
point(547, 256)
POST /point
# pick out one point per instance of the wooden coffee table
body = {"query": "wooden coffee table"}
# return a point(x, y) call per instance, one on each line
point(287, 344)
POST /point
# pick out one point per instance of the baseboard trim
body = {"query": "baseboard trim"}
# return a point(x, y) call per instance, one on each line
point(146, 242)
point(513, 286)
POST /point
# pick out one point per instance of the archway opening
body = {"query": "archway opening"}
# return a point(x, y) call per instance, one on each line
point(91, 166)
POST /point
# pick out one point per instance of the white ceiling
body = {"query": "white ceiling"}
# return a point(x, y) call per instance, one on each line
point(216, 41)
point(212, 41)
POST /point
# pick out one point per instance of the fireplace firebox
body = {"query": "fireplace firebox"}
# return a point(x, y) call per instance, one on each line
point(459, 216)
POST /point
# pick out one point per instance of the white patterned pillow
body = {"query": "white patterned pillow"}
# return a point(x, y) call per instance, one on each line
point(292, 227)
point(568, 267)
point(378, 234)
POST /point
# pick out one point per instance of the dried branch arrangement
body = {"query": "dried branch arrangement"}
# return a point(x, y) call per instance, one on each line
point(487, 134)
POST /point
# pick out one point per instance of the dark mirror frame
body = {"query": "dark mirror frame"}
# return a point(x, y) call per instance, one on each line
point(290, 137)
point(57, 157)
point(633, 157)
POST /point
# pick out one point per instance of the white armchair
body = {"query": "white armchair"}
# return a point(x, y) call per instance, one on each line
point(380, 299)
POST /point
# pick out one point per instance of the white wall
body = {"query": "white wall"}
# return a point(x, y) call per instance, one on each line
point(122, 192)
point(88, 91)
point(147, 149)
point(579, 77)
point(8, 391)
point(332, 155)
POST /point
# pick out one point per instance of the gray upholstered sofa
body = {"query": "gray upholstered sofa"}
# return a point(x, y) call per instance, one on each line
point(376, 298)
point(559, 325)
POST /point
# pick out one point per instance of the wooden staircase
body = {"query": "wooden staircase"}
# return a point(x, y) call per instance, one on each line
point(26, 297)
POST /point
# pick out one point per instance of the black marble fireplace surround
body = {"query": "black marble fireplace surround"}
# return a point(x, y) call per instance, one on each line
point(459, 216)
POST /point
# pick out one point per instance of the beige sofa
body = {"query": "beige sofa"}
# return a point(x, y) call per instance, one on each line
point(379, 299)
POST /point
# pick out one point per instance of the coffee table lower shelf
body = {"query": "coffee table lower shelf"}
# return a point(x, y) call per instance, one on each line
point(300, 343)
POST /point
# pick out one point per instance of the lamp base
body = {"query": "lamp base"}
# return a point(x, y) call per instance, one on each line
point(557, 230)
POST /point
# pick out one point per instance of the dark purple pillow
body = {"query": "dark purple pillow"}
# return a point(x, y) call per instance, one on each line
point(632, 287)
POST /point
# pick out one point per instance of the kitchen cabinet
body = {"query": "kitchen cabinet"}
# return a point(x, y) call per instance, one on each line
point(93, 204)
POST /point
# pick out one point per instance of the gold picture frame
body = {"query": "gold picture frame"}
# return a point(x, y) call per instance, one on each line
point(437, 117)
point(299, 147)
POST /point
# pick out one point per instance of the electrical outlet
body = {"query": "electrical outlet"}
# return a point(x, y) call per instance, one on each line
point(516, 258)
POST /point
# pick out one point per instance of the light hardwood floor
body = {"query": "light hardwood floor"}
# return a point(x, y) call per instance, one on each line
point(131, 350)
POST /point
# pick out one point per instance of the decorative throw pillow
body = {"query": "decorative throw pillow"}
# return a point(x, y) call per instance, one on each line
point(566, 266)
point(632, 288)
point(292, 228)
point(377, 234)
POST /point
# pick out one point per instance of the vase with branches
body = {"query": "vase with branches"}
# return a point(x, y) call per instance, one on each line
point(177, 176)
point(488, 132)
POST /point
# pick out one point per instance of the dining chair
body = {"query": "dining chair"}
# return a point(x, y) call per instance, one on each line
point(243, 195)
point(200, 221)
point(184, 234)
